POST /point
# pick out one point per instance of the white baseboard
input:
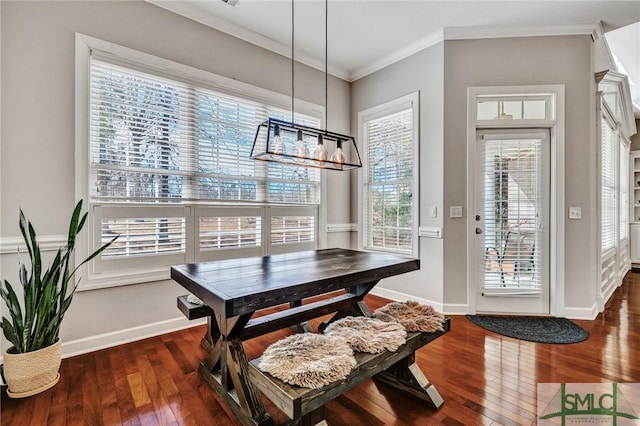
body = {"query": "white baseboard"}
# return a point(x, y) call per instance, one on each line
point(107, 340)
point(580, 313)
point(397, 296)
point(456, 309)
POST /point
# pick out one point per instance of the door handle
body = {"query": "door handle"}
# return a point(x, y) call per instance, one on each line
point(478, 231)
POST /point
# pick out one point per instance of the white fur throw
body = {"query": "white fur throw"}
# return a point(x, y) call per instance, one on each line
point(308, 360)
point(370, 335)
point(412, 315)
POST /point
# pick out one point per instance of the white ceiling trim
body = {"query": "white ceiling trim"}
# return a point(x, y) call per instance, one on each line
point(188, 10)
point(412, 49)
point(469, 33)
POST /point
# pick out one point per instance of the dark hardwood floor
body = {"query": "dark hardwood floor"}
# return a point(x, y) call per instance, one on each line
point(485, 379)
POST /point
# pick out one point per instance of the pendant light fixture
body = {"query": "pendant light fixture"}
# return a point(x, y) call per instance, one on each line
point(290, 143)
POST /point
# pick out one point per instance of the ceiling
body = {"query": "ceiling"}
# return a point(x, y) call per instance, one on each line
point(366, 35)
point(624, 44)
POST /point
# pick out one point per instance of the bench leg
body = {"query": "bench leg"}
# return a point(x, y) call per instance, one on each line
point(314, 418)
point(406, 376)
point(226, 370)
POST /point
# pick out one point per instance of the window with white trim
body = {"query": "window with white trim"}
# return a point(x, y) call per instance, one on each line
point(169, 169)
point(608, 184)
point(389, 135)
point(624, 190)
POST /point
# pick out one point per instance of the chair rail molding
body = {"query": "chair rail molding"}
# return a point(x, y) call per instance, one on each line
point(342, 227)
point(9, 245)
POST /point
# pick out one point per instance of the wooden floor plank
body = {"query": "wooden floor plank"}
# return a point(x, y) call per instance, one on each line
point(485, 379)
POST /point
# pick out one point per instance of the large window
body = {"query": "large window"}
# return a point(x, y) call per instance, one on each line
point(614, 199)
point(390, 140)
point(608, 184)
point(169, 170)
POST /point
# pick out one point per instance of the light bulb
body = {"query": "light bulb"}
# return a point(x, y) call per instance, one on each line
point(277, 145)
point(301, 148)
point(338, 155)
point(320, 153)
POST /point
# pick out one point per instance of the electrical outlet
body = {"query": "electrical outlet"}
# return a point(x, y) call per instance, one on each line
point(575, 212)
point(455, 211)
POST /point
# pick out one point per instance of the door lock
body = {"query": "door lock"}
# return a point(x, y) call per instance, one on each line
point(478, 231)
point(478, 218)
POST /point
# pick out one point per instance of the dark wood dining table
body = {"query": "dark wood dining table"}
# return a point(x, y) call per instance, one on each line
point(236, 289)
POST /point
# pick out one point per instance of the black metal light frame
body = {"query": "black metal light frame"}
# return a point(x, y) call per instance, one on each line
point(263, 146)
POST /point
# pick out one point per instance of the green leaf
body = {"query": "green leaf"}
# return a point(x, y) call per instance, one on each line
point(9, 332)
point(47, 294)
point(73, 226)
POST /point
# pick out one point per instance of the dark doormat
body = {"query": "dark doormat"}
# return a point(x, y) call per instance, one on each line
point(533, 329)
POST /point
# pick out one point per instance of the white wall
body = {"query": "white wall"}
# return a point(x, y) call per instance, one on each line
point(423, 72)
point(37, 164)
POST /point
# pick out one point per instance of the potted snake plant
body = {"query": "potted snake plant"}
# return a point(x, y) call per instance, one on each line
point(31, 365)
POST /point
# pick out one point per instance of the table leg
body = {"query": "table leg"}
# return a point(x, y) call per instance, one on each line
point(226, 371)
point(406, 376)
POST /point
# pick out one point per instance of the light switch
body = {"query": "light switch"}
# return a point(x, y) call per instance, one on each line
point(433, 211)
point(455, 211)
point(575, 212)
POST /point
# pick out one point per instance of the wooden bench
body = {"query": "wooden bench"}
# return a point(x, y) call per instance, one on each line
point(305, 406)
point(193, 311)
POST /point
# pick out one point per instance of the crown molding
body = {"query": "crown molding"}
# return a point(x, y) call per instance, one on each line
point(424, 43)
point(188, 10)
point(471, 33)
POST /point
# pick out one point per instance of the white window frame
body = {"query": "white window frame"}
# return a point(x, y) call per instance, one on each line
point(614, 259)
point(412, 101)
point(157, 268)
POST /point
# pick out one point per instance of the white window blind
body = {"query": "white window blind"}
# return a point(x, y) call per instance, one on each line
point(513, 231)
point(608, 208)
point(229, 232)
point(156, 139)
point(169, 169)
point(624, 190)
point(292, 229)
point(389, 182)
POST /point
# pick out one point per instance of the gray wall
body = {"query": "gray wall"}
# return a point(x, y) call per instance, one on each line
point(635, 139)
point(37, 87)
point(524, 61)
point(443, 73)
point(421, 72)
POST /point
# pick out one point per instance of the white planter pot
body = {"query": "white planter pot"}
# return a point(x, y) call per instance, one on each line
point(32, 372)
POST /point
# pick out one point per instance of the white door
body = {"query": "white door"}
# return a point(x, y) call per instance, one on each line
point(512, 193)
